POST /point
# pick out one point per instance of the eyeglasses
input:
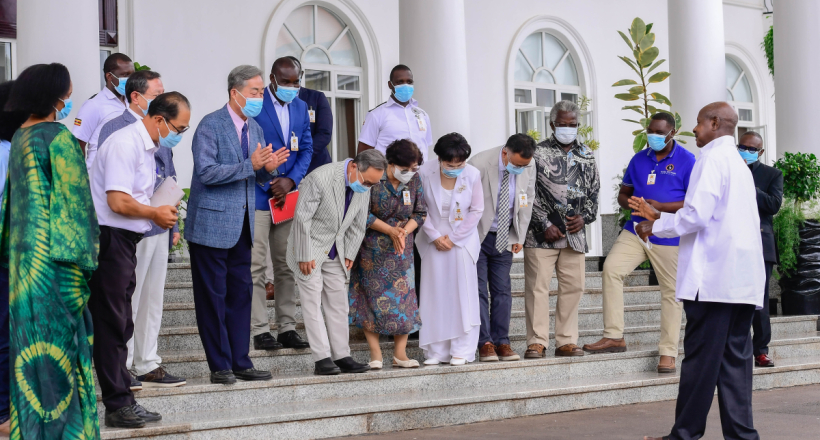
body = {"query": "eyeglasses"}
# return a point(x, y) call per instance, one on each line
point(411, 170)
point(742, 147)
point(575, 125)
point(177, 129)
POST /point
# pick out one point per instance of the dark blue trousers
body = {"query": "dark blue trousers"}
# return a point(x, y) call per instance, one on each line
point(761, 323)
point(222, 299)
point(494, 269)
point(718, 347)
point(4, 345)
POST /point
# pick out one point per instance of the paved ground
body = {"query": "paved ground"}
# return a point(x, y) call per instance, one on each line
point(786, 413)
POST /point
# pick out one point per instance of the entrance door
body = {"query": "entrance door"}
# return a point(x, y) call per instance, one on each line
point(347, 129)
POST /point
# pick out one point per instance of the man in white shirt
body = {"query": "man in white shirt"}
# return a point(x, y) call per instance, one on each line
point(104, 106)
point(720, 279)
point(122, 183)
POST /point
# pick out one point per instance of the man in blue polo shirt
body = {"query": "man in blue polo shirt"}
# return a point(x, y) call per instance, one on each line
point(659, 175)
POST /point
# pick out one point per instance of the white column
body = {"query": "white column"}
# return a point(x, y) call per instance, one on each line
point(433, 44)
point(796, 63)
point(697, 56)
point(65, 32)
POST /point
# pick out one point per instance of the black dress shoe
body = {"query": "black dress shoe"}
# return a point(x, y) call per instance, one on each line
point(348, 365)
point(265, 341)
point(253, 374)
point(326, 367)
point(144, 414)
point(292, 339)
point(123, 418)
point(223, 377)
point(135, 384)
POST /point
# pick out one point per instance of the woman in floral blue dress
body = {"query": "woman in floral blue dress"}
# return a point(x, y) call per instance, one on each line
point(382, 281)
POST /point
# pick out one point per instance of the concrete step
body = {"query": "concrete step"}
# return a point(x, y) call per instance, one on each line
point(306, 407)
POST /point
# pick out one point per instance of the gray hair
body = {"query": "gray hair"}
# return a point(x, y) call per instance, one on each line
point(370, 158)
point(239, 75)
point(564, 106)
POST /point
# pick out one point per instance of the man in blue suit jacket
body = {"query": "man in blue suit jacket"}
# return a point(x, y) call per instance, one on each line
point(228, 162)
point(286, 123)
point(321, 121)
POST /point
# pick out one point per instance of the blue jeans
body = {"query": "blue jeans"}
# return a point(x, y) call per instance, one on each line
point(494, 268)
point(4, 345)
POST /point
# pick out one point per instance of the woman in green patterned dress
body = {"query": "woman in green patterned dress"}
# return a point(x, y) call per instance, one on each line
point(50, 243)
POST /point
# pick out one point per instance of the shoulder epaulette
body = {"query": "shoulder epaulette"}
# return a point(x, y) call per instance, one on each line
point(374, 108)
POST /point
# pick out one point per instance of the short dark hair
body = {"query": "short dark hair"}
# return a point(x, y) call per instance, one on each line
point(452, 147)
point(138, 82)
point(521, 144)
point(38, 88)
point(9, 121)
point(398, 68)
point(404, 153)
point(167, 105)
point(751, 133)
point(664, 116)
point(284, 62)
point(113, 60)
point(295, 61)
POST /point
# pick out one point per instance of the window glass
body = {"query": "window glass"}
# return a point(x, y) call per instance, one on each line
point(523, 95)
point(300, 24)
point(569, 97)
point(745, 115)
point(742, 91)
point(565, 73)
point(316, 56)
point(317, 80)
point(544, 77)
point(348, 82)
point(286, 45)
point(5, 62)
point(732, 73)
point(523, 72)
point(345, 53)
point(553, 51)
point(531, 47)
point(544, 97)
point(103, 55)
point(328, 27)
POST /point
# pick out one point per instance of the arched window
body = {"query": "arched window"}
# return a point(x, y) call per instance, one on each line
point(545, 73)
point(739, 95)
point(330, 59)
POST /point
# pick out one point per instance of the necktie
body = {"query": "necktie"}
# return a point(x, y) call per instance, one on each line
point(245, 141)
point(503, 231)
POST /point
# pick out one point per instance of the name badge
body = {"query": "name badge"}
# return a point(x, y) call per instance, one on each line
point(459, 215)
point(312, 115)
point(294, 142)
point(650, 180)
point(522, 200)
point(406, 196)
point(422, 125)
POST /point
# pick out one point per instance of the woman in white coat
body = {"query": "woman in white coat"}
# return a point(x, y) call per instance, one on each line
point(449, 246)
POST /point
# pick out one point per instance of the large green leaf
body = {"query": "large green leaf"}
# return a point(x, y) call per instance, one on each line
point(639, 142)
point(678, 122)
point(638, 131)
point(686, 133)
point(631, 64)
point(647, 41)
point(657, 63)
point(680, 140)
point(649, 56)
point(645, 122)
point(658, 77)
point(657, 97)
point(631, 120)
point(637, 90)
point(627, 97)
point(626, 39)
point(652, 110)
point(625, 82)
point(648, 27)
point(637, 30)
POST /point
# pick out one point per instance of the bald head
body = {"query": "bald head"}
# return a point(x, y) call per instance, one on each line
point(715, 120)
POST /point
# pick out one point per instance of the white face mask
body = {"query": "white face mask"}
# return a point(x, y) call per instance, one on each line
point(403, 178)
point(566, 135)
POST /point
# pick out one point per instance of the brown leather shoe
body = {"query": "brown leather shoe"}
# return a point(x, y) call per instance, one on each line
point(763, 360)
point(569, 350)
point(269, 291)
point(506, 353)
point(666, 364)
point(535, 351)
point(606, 345)
point(487, 353)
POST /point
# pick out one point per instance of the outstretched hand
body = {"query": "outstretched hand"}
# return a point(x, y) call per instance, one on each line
point(643, 208)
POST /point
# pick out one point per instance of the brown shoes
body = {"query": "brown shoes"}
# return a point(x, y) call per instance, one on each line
point(763, 360)
point(269, 291)
point(606, 345)
point(666, 365)
point(487, 353)
point(535, 351)
point(569, 350)
point(506, 353)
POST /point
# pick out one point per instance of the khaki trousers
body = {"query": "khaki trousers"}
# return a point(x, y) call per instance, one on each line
point(268, 236)
point(569, 266)
point(326, 290)
point(628, 253)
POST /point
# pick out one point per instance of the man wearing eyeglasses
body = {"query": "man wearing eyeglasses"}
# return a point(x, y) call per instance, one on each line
point(769, 185)
point(566, 199)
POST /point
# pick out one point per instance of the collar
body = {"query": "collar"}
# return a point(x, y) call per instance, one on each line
point(344, 170)
point(135, 114)
point(148, 143)
point(577, 147)
point(273, 99)
point(720, 142)
point(754, 165)
point(391, 101)
point(108, 94)
point(501, 166)
point(237, 120)
point(671, 154)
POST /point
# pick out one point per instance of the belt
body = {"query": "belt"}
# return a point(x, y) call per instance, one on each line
point(132, 236)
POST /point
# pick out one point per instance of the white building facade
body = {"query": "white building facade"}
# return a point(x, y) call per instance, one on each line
point(484, 68)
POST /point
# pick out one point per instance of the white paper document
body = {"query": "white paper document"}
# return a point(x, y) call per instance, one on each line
point(168, 193)
point(647, 244)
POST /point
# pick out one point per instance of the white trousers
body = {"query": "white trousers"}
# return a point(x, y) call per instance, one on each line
point(463, 347)
point(146, 304)
point(327, 289)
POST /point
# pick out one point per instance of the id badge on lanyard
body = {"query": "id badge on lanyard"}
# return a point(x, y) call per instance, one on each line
point(422, 124)
point(294, 142)
point(312, 115)
point(650, 180)
point(459, 215)
point(406, 196)
point(522, 200)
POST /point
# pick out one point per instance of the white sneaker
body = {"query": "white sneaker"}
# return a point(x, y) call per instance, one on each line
point(432, 362)
point(410, 363)
point(458, 361)
point(375, 365)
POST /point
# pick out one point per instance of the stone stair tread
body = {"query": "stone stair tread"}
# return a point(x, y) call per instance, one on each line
point(310, 410)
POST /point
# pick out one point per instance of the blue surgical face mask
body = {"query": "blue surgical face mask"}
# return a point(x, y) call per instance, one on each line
point(171, 140)
point(452, 173)
point(147, 104)
point(120, 87)
point(285, 94)
point(748, 156)
point(357, 186)
point(62, 114)
point(512, 169)
point(252, 107)
point(657, 142)
point(403, 92)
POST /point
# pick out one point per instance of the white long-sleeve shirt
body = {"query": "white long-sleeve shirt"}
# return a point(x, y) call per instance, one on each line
point(721, 253)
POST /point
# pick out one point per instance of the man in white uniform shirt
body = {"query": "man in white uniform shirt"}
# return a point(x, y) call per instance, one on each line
point(720, 279)
point(122, 183)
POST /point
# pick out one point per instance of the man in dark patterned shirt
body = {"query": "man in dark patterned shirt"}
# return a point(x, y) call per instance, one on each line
point(566, 199)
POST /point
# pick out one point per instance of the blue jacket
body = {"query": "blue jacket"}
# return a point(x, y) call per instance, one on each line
point(223, 183)
point(297, 164)
point(322, 129)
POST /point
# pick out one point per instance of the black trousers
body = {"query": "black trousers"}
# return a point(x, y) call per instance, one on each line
point(223, 290)
point(761, 324)
point(718, 347)
point(112, 286)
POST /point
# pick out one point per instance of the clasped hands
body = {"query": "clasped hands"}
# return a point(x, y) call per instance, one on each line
point(398, 234)
point(647, 210)
point(266, 157)
point(443, 243)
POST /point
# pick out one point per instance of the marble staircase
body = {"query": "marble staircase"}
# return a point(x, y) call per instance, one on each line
point(298, 405)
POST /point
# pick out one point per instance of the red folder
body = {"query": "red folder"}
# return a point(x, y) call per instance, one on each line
point(286, 212)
